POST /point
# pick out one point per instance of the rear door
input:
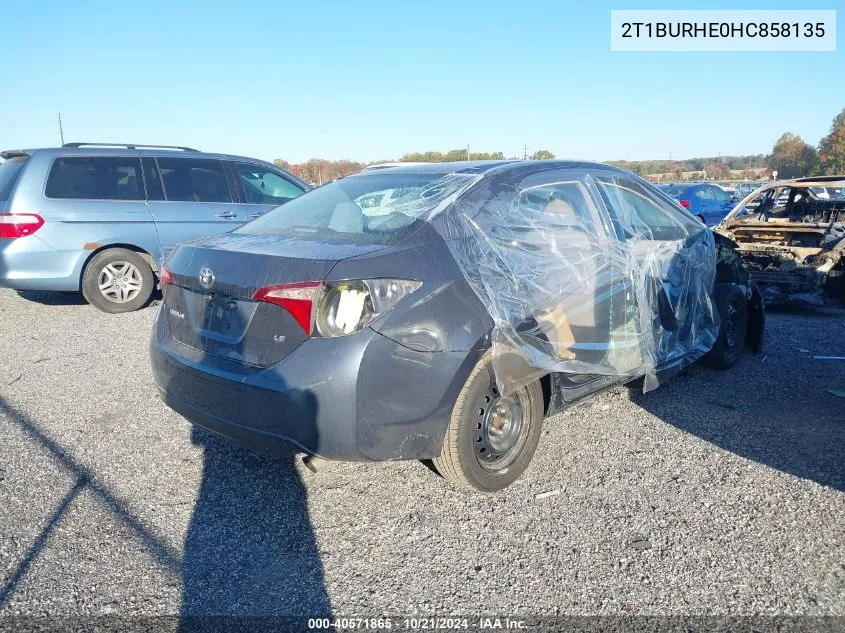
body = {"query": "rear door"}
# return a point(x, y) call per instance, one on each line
point(261, 188)
point(190, 198)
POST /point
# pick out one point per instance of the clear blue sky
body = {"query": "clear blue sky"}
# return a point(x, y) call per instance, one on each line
point(374, 80)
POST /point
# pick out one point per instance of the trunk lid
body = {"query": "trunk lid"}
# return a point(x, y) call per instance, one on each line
point(210, 308)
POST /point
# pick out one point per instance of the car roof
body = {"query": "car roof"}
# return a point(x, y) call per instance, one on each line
point(143, 150)
point(486, 167)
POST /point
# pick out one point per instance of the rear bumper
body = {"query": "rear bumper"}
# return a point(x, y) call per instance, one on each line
point(27, 263)
point(355, 398)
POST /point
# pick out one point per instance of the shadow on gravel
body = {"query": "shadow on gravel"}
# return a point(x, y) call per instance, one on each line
point(49, 298)
point(784, 421)
point(53, 298)
point(250, 550)
point(84, 481)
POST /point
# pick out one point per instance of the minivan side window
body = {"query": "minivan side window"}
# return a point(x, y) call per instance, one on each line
point(96, 178)
point(194, 180)
point(263, 186)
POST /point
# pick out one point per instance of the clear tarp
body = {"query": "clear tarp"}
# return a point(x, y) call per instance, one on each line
point(589, 275)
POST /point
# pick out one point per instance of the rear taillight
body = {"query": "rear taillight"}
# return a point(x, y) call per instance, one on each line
point(298, 299)
point(165, 277)
point(337, 308)
point(684, 203)
point(14, 225)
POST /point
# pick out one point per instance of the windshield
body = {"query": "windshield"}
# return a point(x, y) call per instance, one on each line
point(9, 172)
point(375, 208)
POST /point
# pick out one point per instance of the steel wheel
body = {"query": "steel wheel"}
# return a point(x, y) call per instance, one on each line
point(490, 439)
point(732, 324)
point(501, 429)
point(120, 282)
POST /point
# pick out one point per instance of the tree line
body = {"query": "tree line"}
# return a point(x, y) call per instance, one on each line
point(791, 157)
point(320, 170)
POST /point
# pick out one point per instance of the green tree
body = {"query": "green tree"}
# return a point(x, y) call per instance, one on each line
point(542, 154)
point(791, 157)
point(832, 147)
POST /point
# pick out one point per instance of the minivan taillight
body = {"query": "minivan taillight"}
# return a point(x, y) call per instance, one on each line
point(684, 203)
point(13, 225)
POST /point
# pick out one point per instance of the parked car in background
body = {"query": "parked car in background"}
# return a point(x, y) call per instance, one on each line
point(791, 237)
point(728, 189)
point(97, 218)
point(707, 201)
point(446, 322)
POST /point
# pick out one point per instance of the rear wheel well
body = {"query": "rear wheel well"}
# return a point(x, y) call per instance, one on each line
point(130, 247)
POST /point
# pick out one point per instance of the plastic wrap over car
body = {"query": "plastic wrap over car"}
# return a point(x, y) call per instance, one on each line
point(578, 279)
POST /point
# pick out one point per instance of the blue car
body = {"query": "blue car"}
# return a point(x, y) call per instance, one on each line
point(97, 218)
point(709, 202)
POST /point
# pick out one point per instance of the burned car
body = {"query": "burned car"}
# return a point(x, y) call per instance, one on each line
point(791, 237)
point(447, 319)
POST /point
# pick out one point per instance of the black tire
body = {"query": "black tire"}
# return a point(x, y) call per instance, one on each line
point(463, 459)
point(138, 281)
point(733, 314)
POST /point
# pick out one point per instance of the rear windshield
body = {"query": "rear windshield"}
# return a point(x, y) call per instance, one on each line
point(376, 208)
point(9, 172)
point(676, 191)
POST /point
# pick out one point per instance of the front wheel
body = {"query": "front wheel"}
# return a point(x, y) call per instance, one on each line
point(733, 313)
point(491, 438)
point(117, 280)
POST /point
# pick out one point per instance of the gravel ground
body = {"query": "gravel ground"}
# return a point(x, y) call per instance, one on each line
point(719, 493)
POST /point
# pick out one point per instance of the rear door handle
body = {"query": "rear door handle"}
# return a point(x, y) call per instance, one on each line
point(228, 215)
point(255, 215)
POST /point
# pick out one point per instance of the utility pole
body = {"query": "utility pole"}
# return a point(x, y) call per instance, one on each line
point(467, 151)
point(525, 152)
point(61, 131)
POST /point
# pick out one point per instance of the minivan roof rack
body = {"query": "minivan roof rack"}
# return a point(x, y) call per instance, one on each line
point(132, 146)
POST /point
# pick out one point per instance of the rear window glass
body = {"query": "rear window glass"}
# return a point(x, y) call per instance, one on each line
point(676, 192)
point(9, 172)
point(377, 208)
point(194, 180)
point(96, 178)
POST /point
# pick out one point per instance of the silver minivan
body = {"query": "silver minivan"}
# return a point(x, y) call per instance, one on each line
point(97, 218)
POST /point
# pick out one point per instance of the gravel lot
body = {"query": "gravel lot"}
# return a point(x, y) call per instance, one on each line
point(719, 493)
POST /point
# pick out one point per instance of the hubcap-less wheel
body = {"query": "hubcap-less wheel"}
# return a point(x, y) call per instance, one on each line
point(501, 429)
point(120, 282)
point(732, 322)
point(490, 439)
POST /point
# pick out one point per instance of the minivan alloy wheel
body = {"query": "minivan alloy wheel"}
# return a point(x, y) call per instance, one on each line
point(120, 281)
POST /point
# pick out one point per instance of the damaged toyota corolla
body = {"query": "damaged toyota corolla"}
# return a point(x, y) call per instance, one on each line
point(442, 311)
point(791, 237)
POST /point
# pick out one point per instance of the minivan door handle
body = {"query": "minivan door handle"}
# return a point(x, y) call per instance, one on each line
point(228, 215)
point(255, 215)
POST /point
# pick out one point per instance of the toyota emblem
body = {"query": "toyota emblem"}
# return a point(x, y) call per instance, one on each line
point(206, 278)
